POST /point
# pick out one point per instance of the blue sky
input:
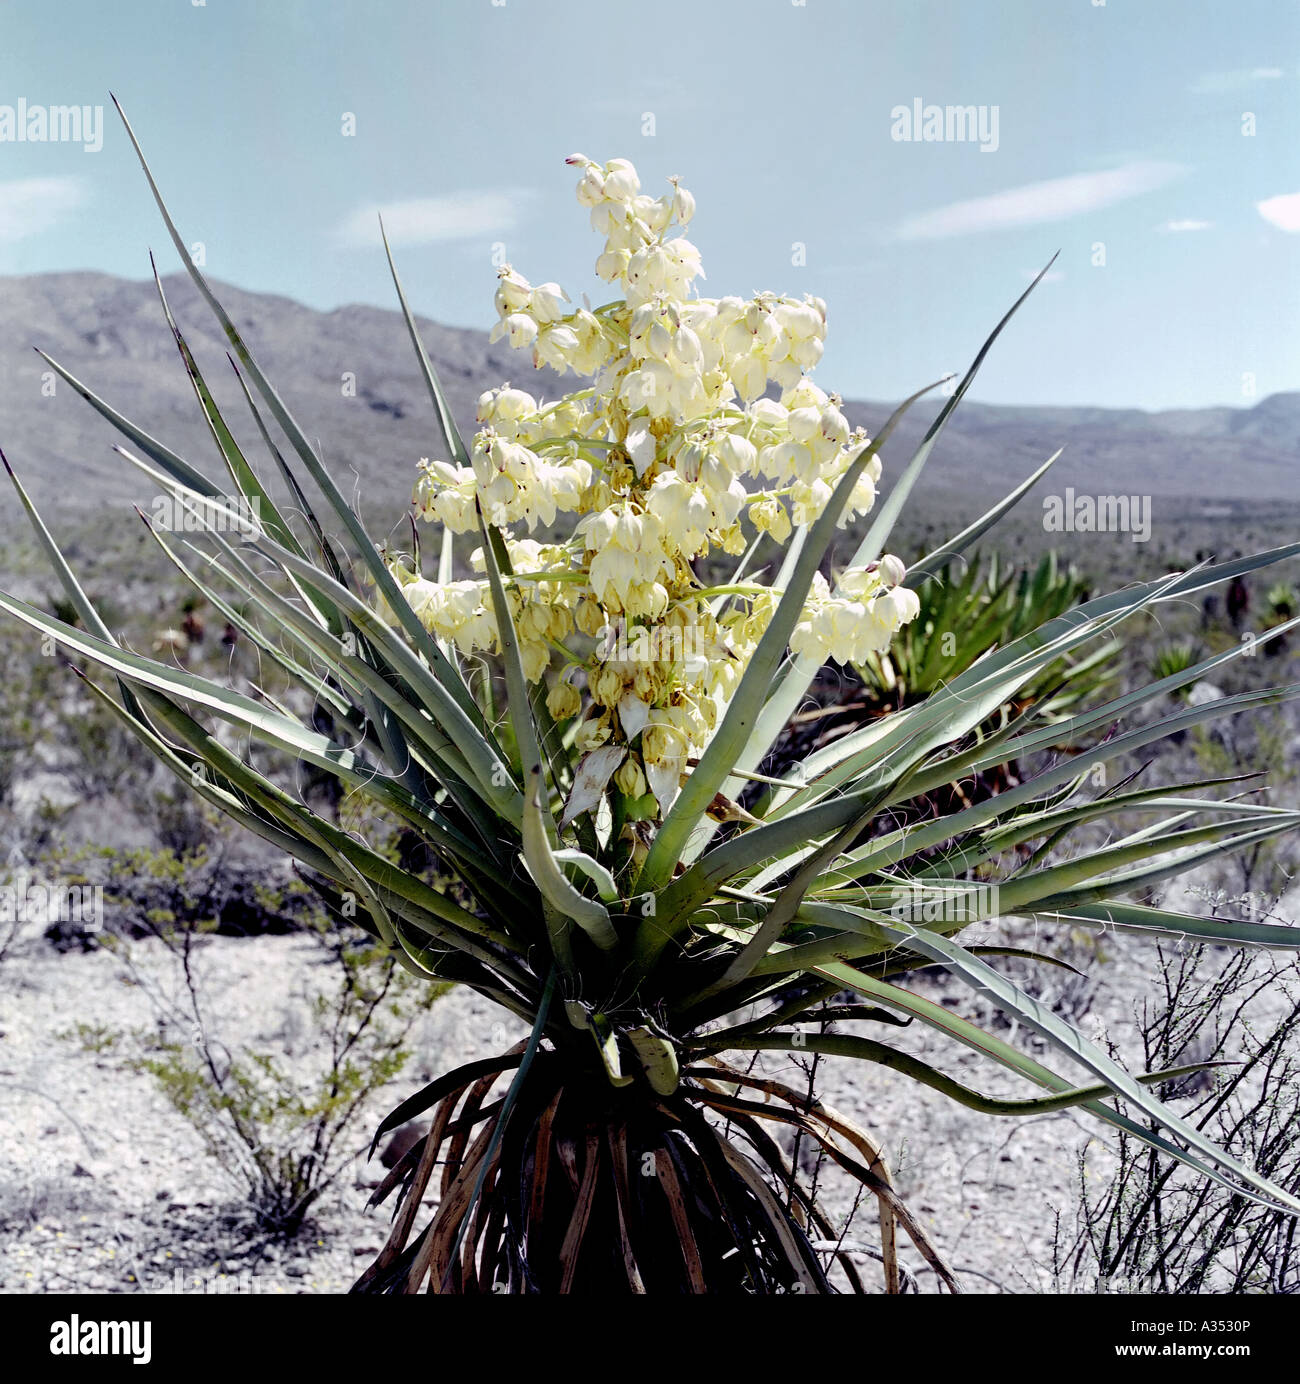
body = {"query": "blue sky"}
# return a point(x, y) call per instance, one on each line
point(1118, 124)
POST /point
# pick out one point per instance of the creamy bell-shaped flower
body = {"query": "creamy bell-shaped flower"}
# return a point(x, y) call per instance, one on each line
point(646, 600)
point(862, 497)
point(518, 327)
point(593, 733)
point(446, 494)
point(749, 333)
point(546, 302)
point(834, 427)
point(613, 265)
point(785, 372)
point(899, 605)
point(689, 458)
point(804, 423)
point(769, 414)
point(684, 509)
point(557, 347)
point(667, 267)
point(512, 291)
point(658, 342)
point(650, 271)
point(725, 492)
point(629, 778)
point(661, 740)
point(536, 658)
point(606, 687)
point(686, 354)
point(749, 375)
point(621, 181)
point(770, 516)
point(656, 214)
point(798, 462)
point(609, 218)
point(805, 394)
point(700, 315)
point(809, 501)
point(563, 701)
point(591, 185)
point(892, 570)
point(505, 405)
point(650, 388)
point(453, 611)
point(800, 321)
point(626, 548)
point(589, 617)
point(683, 204)
point(738, 454)
point(806, 354)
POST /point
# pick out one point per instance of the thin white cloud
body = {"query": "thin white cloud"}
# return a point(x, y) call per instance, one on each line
point(1180, 227)
point(29, 206)
point(1054, 200)
point(1282, 212)
point(425, 220)
point(1219, 83)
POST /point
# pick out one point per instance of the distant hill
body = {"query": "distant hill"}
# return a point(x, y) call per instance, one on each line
point(111, 333)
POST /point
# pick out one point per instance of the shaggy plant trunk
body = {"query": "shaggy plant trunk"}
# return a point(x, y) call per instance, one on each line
point(584, 1188)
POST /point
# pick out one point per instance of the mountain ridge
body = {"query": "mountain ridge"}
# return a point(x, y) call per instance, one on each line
point(351, 379)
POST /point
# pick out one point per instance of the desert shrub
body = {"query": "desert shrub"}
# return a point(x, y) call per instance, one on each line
point(1261, 755)
point(1144, 1225)
point(281, 1131)
point(149, 889)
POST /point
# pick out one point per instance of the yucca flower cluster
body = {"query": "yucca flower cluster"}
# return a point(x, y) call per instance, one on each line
point(677, 450)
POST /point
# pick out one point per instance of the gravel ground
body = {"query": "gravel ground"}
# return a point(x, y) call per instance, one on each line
point(104, 1187)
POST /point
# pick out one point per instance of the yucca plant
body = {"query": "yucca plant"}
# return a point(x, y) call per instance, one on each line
point(966, 611)
point(581, 784)
point(1281, 600)
point(1173, 657)
point(971, 608)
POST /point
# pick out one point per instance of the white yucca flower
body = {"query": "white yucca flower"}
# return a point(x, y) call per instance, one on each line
point(680, 398)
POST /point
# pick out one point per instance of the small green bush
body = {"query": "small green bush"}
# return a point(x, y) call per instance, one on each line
point(281, 1136)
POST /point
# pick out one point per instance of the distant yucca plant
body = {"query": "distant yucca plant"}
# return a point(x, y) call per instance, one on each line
point(970, 609)
point(1282, 600)
point(1173, 658)
point(966, 611)
point(611, 893)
